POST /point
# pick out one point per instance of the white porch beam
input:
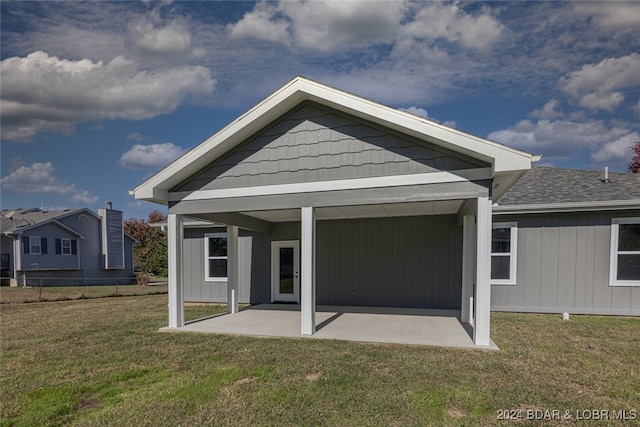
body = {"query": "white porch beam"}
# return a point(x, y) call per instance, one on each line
point(175, 234)
point(482, 314)
point(308, 271)
point(468, 267)
point(233, 272)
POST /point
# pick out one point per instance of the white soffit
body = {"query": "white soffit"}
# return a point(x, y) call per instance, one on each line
point(300, 89)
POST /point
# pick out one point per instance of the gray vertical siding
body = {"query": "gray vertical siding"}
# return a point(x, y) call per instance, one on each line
point(563, 265)
point(398, 262)
point(254, 266)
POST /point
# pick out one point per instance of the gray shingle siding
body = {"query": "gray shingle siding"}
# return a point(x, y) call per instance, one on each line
point(313, 144)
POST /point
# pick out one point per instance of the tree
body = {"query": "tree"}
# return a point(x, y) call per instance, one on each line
point(634, 166)
point(150, 255)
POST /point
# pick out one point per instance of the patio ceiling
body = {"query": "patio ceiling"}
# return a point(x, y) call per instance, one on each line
point(440, 207)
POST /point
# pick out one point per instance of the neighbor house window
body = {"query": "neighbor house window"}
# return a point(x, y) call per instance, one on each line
point(66, 247)
point(625, 252)
point(504, 238)
point(34, 245)
point(215, 250)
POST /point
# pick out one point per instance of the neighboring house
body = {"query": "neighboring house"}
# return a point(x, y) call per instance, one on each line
point(72, 246)
point(346, 202)
point(568, 240)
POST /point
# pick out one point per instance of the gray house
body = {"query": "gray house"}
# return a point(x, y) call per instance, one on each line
point(552, 248)
point(568, 240)
point(345, 202)
point(66, 246)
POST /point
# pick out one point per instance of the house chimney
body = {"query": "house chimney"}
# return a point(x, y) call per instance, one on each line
point(109, 205)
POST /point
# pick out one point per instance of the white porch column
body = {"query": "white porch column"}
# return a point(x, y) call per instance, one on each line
point(175, 233)
point(468, 267)
point(481, 328)
point(233, 273)
point(308, 271)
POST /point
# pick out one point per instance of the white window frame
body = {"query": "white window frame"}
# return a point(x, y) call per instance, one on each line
point(513, 245)
point(614, 252)
point(62, 247)
point(32, 245)
point(207, 257)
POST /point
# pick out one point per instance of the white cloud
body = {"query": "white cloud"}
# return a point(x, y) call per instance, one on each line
point(417, 111)
point(321, 25)
point(170, 39)
point(598, 86)
point(150, 157)
point(446, 21)
point(38, 178)
point(45, 93)
point(560, 139)
point(614, 15)
point(636, 109)
point(618, 150)
point(135, 136)
point(548, 111)
point(263, 24)
point(85, 198)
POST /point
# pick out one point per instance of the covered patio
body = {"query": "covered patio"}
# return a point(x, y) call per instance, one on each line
point(441, 328)
point(310, 169)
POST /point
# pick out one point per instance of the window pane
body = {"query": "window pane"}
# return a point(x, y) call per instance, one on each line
point(66, 247)
point(629, 237)
point(34, 242)
point(217, 246)
point(629, 267)
point(501, 241)
point(500, 267)
point(217, 268)
point(286, 270)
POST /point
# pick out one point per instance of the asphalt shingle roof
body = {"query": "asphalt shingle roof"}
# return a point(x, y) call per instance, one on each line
point(14, 219)
point(545, 185)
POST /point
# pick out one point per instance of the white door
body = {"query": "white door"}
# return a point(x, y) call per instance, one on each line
point(285, 271)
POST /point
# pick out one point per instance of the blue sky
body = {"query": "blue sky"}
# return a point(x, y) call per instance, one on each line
point(97, 96)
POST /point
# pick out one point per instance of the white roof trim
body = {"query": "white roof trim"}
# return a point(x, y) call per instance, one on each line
point(336, 185)
point(49, 221)
point(566, 207)
point(300, 89)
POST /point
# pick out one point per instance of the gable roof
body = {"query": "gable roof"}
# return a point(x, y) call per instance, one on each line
point(549, 189)
point(507, 163)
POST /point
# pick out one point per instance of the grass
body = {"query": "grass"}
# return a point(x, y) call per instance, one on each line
point(102, 362)
point(61, 293)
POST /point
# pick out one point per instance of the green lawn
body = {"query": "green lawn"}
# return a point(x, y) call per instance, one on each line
point(102, 362)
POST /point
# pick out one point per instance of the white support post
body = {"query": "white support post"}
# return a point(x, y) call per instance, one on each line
point(175, 232)
point(233, 273)
point(308, 271)
point(468, 267)
point(481, 329)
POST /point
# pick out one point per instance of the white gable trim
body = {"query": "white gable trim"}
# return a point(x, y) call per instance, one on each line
point(501, 157)
point(335, 185)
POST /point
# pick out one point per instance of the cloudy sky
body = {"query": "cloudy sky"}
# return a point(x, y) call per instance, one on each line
point(97, 96)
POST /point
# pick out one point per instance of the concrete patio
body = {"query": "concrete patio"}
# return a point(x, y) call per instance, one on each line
point(368, 324)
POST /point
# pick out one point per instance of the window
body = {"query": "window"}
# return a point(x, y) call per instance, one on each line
point(625, 252)
point(504, 242)
point(215, 250)
point(34, 245)
point(66, 247)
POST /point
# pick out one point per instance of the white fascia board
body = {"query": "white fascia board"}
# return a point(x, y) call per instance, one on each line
point(51, 221)
point(501, 157)
point(336, 185)
point(566, 207)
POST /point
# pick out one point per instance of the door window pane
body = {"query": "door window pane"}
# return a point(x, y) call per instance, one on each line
point(286, 271)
